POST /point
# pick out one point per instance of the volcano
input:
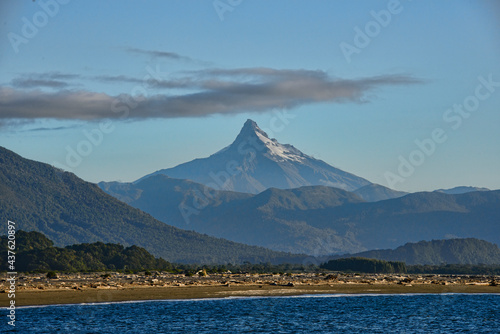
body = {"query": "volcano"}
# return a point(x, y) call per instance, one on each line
point(254, 162)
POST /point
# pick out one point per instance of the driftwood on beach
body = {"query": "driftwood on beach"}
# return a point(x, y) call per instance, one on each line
point(37, 289)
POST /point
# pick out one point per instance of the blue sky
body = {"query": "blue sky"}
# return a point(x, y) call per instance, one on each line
point(137, 86)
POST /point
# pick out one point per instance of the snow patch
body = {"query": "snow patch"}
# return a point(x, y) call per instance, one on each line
point(277, 150)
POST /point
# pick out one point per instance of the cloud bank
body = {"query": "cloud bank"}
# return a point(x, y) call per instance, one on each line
point(205, 92)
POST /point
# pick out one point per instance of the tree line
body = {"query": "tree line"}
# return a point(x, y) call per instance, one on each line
point(36, 253)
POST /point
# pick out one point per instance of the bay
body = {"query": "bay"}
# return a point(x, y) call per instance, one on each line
point(415, 313)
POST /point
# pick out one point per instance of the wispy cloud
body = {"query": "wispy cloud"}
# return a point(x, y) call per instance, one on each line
point(116, 78)
point(150, 83)
point(165, 55)
point(55, 80)
point(41, 129)
point(214, 91)
point(34, 83)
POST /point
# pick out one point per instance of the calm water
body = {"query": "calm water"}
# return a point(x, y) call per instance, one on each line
point(438, 313)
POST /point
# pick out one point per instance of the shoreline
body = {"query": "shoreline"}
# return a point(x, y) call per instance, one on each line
point(61, 297)
point(33, 290)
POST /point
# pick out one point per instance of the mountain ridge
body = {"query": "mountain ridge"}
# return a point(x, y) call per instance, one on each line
point(461, 190)
point(240, 216)
point(68, 210)
point(437, 252)
point(320, 220)
point(375, 192)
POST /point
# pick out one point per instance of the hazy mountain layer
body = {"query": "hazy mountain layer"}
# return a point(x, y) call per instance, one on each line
point(461, 190)
point(316, 220)
point(375, 192)
point(437, 252)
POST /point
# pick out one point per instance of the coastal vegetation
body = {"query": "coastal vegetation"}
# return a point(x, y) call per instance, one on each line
point(37, 253)
point(364, 265)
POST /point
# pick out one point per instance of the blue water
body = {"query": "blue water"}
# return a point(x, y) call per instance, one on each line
point(426, 313)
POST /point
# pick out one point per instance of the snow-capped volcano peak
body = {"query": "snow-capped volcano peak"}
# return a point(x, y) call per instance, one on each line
point(254, 162)
point(271, 148)
point(250, 128)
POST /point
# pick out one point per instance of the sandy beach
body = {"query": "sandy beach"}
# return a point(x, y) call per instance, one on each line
point(36, 289)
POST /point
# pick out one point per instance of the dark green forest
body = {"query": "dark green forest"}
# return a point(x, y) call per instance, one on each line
point(455, 269)
point(35, 252)
point(364, 265)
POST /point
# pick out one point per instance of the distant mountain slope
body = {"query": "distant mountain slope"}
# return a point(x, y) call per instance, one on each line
point(461, 190)
point(170, 200)
point(254, 163)
point(316, 220)
point(437, 252)
point(238, 216)
point(415, 217)
point(375, 192)
point(362, 225)
point(69, 210)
